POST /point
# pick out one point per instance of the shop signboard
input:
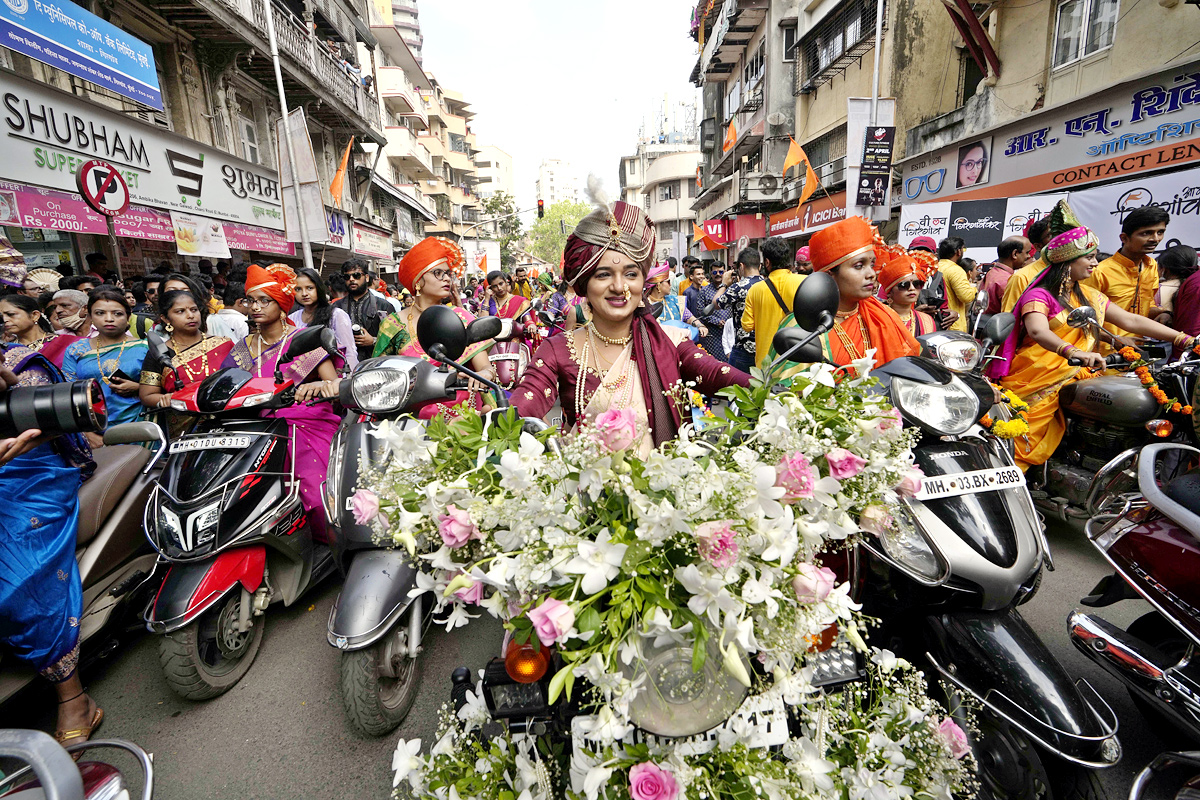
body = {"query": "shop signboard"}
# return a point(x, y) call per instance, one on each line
point(262, 240)
point(1104, 208)
point(372, 242)
point(47, 135)
point(26, 207)
point(1140, 126)
point(875, 174)
point(199, 236)
point(144, 223)
point(71, 38)
point(811, 217)
point(339, 228)
point(981, 224)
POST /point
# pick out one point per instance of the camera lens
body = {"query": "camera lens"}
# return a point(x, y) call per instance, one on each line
point(75, 407)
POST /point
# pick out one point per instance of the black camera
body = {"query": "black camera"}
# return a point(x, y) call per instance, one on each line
point(75, 407)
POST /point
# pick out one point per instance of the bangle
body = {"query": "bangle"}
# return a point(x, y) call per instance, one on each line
point(1063, 349)
point(1181, 340)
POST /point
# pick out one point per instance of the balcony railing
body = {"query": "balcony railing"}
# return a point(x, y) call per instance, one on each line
point(411, 190)
point(402, 145)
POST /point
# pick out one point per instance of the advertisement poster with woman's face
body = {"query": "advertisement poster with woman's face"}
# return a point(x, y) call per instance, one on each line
point(973, 163)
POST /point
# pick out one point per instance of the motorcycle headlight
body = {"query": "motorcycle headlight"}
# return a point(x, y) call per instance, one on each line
point(380, 391)
point(959, 355)
point(206, 520)
point(676, 701)
point(168, 522)
point(945, 409)
point(905, 544)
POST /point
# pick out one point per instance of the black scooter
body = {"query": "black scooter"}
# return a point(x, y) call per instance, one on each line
point(967, 550)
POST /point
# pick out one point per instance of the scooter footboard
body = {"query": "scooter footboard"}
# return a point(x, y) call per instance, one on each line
point(995, 657)
point(373, 597)
point(189, 589)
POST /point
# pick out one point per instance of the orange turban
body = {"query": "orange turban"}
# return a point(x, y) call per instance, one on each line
point(277, 281)
point(841, 242)
point(926, 263)
point(433, 251)
point(892, 264)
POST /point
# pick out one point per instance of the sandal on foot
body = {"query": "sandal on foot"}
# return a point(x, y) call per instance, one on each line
point(83, 733)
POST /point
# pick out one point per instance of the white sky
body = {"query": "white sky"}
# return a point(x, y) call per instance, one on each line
point(569, 79)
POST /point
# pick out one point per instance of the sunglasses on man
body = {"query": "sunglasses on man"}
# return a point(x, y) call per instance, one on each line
point(355, 275)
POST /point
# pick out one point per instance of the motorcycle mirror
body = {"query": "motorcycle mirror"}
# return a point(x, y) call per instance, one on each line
point(787, 338)
point(438, 325)
point(309, 339)
point(815, 302)
point(1082, 317)
point(998, 328)
point(655, 309)
point(981, 298)
point(159, 347)
point(484, 328)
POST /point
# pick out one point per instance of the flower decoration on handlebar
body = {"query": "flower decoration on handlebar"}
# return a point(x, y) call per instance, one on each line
point(1008, 428)
point(1141, 368)
point(716, 548)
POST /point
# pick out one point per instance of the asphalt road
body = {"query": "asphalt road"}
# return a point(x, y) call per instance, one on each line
point(280, 732)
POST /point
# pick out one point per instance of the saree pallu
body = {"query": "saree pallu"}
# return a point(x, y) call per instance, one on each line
point(41, 598)
point(81, 361)
point(1035, 374)
point(188, 366)
point(54, 347)
point(312, 428)
point(396, 340)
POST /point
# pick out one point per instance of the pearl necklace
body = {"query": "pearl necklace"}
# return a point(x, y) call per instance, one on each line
point(617, 342)
point(620, 385)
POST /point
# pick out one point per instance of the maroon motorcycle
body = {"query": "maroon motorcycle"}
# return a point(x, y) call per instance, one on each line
point(1144, 518)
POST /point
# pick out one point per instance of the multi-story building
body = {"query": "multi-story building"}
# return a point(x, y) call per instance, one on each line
point(557, 182)
point(211, 150)
point(408, 23)
point(747, 117)
point(661, 177)
point(451, 146)
point(494, 169)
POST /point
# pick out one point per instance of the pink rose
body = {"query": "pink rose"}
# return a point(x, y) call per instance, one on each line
point(649, 781)
point(794, 474)
point(954, 737)
point(910, 484)
point(717, 542)
point(616, 429)
point(552, 621)
point(844, 464)
point(456, 527)
point(812, 583)
point(471, 594)
point(365, 505)
point(875, 519)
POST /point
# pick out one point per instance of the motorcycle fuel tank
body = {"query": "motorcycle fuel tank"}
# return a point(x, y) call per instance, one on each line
point(1116, 399)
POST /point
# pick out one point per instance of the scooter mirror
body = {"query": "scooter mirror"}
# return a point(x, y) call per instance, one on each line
point(1082, 317)
point(787, 338)
point(981, 298)
point(484, 328)
point(438, 325)
point(158, 346)
point(816, 301)
point(997, 329)
point(304, 341)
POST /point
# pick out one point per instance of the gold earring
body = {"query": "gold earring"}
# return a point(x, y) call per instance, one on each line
point(170, 328)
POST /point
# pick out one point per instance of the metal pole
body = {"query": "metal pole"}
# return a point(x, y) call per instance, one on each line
point(116, 248)
point(875, 72)
point(287, 129)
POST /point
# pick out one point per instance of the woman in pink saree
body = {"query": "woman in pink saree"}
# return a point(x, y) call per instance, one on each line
point(270, 295)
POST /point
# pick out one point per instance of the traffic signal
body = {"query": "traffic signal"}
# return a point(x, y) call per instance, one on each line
point(541, 209)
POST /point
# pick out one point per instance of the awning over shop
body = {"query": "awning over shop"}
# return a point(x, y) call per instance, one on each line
point(403, 198)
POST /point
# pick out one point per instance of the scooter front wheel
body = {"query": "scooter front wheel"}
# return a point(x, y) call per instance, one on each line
point(1011, 768)
point(206, 657)
point(379, 683)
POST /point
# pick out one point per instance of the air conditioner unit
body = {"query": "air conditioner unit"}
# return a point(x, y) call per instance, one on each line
point(762, 187)
point(831, 173)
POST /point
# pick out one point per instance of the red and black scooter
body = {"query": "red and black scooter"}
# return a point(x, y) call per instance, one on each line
point(226, 519)
point(1144, 509)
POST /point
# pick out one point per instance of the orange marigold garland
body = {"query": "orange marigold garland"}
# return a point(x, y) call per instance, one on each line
point(1142, 369)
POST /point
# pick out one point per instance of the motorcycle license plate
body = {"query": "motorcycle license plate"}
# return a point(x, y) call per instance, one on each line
point(210, 443)
point(960, 483)
point(761, 721)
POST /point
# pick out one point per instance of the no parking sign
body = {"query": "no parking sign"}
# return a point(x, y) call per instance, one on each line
point(103, 187)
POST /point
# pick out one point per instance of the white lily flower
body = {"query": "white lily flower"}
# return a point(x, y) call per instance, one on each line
point(596, 780)
point(826, 490)
point(604, 727)
point(766, 494)
point(658, 625)
point(593, 479)
point(474, 712)
point(820, 375)
point(741, 631)
point(599, 561)
point(406, 760)
point(459, 616)
point(709, 595)
point(806, 760)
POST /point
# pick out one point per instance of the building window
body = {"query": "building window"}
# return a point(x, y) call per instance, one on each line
point(844, 34)
point(790, 40)
point(668, 191)
point(753, 71)
point(1083, 27)
point(691, 188)
point(249, 133)
point(827, 148)
point(733, 99)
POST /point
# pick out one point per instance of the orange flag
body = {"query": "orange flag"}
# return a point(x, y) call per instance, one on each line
point(698, 177)
point(704, 239)
point(796, 155)
point(483, 264)
point(730, 138)
point(339, 178)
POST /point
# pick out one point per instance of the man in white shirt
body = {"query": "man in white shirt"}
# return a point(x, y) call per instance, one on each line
point(231, 321)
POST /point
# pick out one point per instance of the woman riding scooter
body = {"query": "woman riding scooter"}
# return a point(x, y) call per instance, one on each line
point(1035, 359)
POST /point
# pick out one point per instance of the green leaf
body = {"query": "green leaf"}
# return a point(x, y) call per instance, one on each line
point(569, 683)
point(589, 620)
point(699, 653)
point(557, 683)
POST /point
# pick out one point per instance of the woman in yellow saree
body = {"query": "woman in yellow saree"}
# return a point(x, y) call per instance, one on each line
point(1034, 362)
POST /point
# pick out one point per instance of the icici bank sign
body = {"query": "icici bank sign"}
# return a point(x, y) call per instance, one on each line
point(809, 217)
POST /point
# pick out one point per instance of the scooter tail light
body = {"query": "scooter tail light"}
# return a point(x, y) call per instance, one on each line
point(526, 663)
point(1161, 428)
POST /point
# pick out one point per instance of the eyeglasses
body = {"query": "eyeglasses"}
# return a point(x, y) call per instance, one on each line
point(974, 163)
point(355, 275)
point(904, 286)
point(263, 303)
point(439, 274)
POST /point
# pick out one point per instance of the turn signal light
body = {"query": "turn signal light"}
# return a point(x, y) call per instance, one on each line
point(819, 643)
point(1161, 428)
point(525, 664)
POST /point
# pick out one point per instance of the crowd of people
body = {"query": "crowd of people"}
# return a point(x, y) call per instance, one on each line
point(615, 330)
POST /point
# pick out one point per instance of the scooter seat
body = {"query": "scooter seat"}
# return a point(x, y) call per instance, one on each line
point(1185, 490)
point(116, 468)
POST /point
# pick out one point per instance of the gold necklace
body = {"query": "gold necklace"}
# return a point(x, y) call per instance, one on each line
point(848, 344)
point(191, 377)
point(261, 342)
point(616, 342)
point(99, 350)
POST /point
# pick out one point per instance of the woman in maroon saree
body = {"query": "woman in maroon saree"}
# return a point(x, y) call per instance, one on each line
point(630, 363)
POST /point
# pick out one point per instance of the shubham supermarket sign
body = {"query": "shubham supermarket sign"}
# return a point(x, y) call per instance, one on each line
point(71, 38)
